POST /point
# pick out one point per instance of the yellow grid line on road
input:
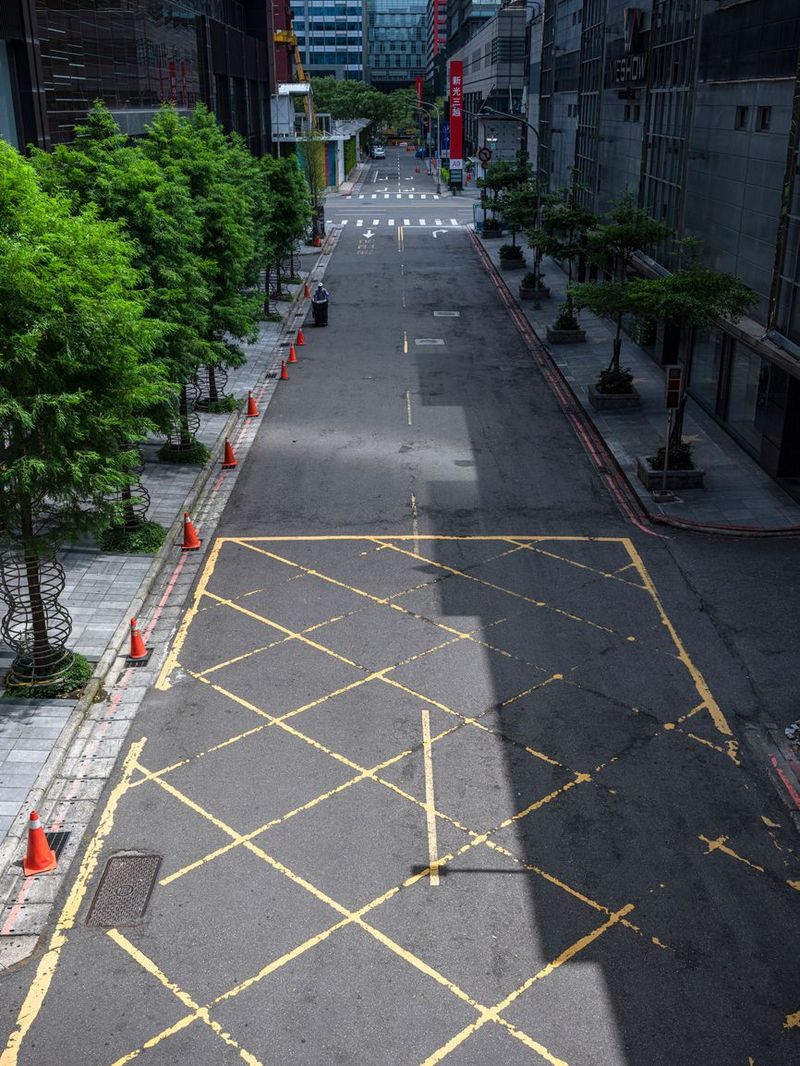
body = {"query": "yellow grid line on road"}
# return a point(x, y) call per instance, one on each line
point(711, 705)
point(497, 588)
point(357, 918)
point(198, 1013)
point(476, 839)
point(582, 566)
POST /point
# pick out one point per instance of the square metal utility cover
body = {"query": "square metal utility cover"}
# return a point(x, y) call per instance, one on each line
point(124, 890)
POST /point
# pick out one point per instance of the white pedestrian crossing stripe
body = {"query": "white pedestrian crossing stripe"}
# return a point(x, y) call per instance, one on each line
point(424, 196)
point(422, 222)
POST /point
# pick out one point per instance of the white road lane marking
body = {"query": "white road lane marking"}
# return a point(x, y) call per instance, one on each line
point(359, 221)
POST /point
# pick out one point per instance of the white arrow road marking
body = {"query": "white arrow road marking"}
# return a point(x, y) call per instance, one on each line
point(436, 232)
point(368, 233)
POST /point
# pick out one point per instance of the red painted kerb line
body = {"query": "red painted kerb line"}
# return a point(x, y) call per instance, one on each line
point(787, 784)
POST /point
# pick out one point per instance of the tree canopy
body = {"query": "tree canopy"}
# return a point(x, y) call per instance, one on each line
point(355, 99)
point(78, 371)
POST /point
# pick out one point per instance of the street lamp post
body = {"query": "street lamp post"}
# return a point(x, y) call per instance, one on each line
point(515, 118)
point(425, 107)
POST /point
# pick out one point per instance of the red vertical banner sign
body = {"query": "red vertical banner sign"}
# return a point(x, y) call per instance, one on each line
point(419, 90)
point(456, 121)
point(173, 82)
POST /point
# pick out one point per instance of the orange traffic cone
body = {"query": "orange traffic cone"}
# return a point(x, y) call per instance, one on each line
point(284, 371)
point(306, 291)
point(292, 354)
point(229, 460)
point(40, 857)
point(191, 541)
point(300, 338)
point(252, 406)
point(139, 654)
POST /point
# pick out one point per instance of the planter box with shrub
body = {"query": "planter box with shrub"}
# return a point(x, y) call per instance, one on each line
point(613, 390)
point(531, 288)
point(565, 329)
point(491, 229)
point(511, 257)
point(653, 477)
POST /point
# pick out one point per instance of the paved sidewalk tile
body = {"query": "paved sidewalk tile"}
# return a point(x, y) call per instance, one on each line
point(737, 491)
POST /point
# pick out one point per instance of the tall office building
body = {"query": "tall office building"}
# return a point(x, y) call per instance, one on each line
point(436, 37)
point(330, 35)
point(57, 56)
point(465, 18)
point(694, 107)
point(396, 42)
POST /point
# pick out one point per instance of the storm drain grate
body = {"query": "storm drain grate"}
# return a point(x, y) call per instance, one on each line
point(57, 842)
point(124, 890)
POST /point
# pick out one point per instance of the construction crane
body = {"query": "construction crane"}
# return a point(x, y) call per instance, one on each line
point(288, 37)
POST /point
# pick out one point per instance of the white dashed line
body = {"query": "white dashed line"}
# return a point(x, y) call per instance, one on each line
point(359, 221)
point(406, 221)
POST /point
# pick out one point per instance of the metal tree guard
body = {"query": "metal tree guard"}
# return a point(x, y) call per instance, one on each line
point(211, 381)
point(134, 498)
point(36, 627)
point(187, 421)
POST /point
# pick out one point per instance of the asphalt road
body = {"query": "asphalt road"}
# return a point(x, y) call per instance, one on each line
point(447, 759)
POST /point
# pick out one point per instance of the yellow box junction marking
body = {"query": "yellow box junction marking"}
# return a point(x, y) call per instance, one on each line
point(509, 544)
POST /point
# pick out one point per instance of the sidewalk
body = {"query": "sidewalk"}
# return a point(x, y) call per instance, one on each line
point(738, 494)
point(102, 589)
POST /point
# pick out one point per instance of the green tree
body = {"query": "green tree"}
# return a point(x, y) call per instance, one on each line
point(289, 208)
point(562, 234)
point(612, 246)
point(79, 379)
point(152, 199)
point(694, 298)
point(224, 188)
point(312, 150)
point(518, 207)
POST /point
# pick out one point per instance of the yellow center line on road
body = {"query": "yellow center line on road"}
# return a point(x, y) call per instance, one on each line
point(408, 407)
point(405, 347)
point(433, 847)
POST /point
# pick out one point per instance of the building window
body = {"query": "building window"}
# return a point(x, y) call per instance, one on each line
point(764, 119)
point(742, 118)
point(627, 116)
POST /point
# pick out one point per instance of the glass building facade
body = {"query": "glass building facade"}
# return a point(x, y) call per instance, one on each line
point(396, 42)
point(134, 55)
point(331, 37)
